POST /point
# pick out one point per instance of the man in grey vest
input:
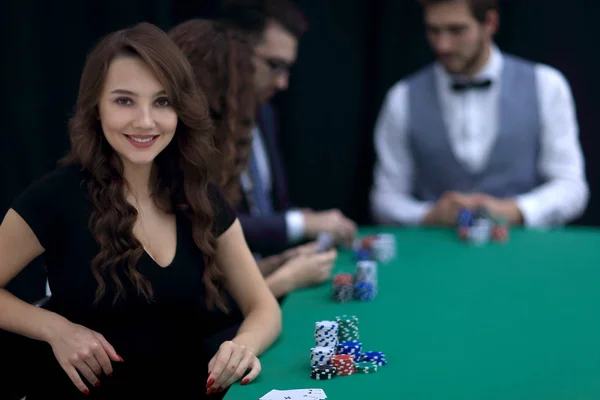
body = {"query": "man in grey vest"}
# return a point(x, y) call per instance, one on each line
point(477, 128)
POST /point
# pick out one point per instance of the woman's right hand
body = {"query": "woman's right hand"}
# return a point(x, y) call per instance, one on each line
point(81, 352)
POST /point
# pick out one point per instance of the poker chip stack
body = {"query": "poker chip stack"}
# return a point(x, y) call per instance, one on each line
point(343, 364)
point(363, 248)
point(321, 355)
point(500, 230)
point(480, 227)
point(326, 334)
point(380, 247)
point(326, 339)
point(343, 287)
point(322, 372)
point(363, 243)
point(374, 357)
point(464, 220)
point(384, 247)
point(341, 355)
point(365, 286)
point(365, 367)
point(347, 328)
point(352, 348)
point(481, 230)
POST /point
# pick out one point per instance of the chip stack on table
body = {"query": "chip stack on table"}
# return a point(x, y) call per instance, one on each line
point(346, 357)
point(365, 287)
point(500, 230)
point(343, 364)
point(464, 221)
point(326, 333)
point(365, 367)
point(363, 249)
point(384, 247)
point(343, 287)
point(352, 348)
point(380, 247)
point(321, 355)
point(363, 243)
point(347, 328)
point(375, 357)
point(481, 229)
point(322, 372)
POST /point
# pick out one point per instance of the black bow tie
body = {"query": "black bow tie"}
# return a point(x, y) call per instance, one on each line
point(462, 86)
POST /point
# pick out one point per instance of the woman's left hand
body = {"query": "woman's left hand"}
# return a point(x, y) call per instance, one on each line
point(229, 364)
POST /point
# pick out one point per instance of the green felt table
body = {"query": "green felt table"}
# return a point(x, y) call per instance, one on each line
point(519, 320)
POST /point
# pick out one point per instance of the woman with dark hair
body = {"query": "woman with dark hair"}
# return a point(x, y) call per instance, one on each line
point(139, 244)
point(222, 61)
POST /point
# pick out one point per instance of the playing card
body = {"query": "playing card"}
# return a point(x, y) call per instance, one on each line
point(296, 394)
point(324, 242)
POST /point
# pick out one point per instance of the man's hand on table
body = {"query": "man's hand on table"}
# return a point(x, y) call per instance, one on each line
point(341, 228)
point(505, 208)
point(445, 211)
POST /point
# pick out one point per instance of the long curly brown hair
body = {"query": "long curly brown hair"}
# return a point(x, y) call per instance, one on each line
point(222, 62)
point(181, 172)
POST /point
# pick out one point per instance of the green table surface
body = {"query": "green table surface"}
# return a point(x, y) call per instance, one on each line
point(519, 320)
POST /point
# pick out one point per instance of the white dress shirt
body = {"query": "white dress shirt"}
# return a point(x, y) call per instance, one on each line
point(471, 119)
point(294, 218)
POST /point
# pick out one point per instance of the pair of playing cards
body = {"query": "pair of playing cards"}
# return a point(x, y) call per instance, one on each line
point(297, 394)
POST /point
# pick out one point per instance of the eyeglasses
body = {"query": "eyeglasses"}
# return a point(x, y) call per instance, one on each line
point(277, 66)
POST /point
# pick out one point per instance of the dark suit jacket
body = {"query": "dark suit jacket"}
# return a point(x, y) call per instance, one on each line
point(268, 234)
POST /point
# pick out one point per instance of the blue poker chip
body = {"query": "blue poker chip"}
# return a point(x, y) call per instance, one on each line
point(364, 291)
point(464, 218)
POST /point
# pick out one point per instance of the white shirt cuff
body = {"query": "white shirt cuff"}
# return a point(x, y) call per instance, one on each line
point(294, 220)
point(533, 215)
point(421, 211)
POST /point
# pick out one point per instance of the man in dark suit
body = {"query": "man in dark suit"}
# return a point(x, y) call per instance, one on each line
point(269, 221)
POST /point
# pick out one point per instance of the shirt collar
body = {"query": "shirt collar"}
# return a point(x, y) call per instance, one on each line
point(491, 70)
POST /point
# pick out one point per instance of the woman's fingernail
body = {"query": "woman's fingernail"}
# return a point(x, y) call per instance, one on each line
point(120, 358)
point(97, 384)
point(86, 392)
point(210, 382)
point(219, 388)
point(109, 374)
point(209, 391)
point(245, 381)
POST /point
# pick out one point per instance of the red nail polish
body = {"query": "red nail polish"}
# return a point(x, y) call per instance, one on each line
point(209, 391)
point(86, 392)
point(219, 388)
point(110, 374)
point(245, 381)
point(97, 384)
point(210, 382)
point(120, 358)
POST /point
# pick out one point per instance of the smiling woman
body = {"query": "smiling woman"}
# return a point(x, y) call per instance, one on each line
point(139, 246)
point(135, 112)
